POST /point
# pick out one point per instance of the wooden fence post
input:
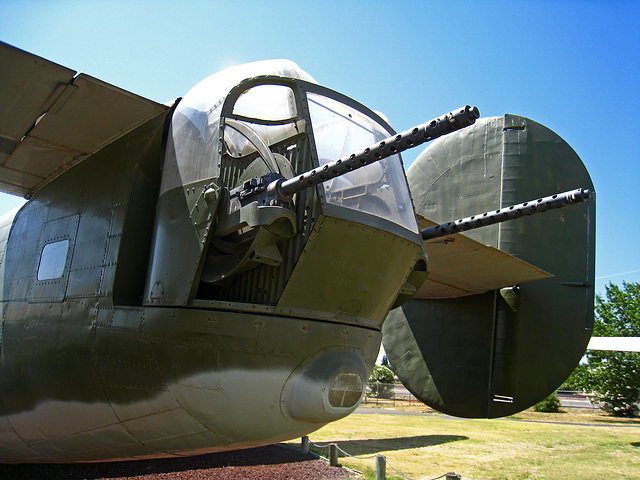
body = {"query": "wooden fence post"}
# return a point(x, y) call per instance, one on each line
point(381, 467)
point(333, 455)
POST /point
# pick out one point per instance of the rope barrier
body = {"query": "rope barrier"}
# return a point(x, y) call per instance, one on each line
point(369, 457)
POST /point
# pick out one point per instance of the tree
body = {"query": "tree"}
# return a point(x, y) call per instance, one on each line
point(615, 376)
point(578, 380)
point(381, 382)
point(385, 361)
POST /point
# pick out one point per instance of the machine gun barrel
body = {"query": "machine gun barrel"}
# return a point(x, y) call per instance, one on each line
point(531, 207)
point(463, 117)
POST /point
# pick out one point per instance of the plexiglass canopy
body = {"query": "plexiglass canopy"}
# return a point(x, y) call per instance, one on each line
point(380, 188)
point(192, 144)
point(265, 114)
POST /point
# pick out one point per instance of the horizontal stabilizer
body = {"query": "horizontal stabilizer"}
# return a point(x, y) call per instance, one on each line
point(615, 344)
point(51, 119)
point(460, 266)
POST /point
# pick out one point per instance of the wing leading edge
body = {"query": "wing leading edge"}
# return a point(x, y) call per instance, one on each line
point(52, 119)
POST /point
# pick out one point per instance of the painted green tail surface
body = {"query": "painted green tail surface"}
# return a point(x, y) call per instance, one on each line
point(499, 352)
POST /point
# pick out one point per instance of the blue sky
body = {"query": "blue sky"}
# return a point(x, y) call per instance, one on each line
point(573, 66)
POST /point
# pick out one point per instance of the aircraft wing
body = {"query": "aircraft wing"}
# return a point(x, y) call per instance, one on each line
point(615, 344)
point(460, 266)
point(52, 119)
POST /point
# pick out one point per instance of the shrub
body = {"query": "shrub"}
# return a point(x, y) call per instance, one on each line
point(551, 404)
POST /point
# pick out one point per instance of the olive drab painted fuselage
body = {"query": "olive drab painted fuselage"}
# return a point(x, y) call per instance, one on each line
point(219, 274)
point(132, 327)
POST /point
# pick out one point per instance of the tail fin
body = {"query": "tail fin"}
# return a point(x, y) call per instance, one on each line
point(499, 347)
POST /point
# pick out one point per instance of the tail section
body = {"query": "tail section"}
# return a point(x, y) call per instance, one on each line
point(507, 310)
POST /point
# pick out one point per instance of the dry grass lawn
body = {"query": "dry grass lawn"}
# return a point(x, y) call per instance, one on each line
point(576, 446)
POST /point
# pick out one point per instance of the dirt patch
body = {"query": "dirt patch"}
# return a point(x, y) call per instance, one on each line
point(265, 463)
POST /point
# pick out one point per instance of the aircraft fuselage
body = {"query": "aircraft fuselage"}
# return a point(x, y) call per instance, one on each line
point(90, 372)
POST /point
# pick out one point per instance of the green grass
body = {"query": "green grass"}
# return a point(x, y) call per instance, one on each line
point(590, 446)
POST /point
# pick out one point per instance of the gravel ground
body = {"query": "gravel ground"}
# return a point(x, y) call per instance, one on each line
point(265, 463)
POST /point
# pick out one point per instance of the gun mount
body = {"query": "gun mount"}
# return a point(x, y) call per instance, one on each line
point(257, 214)
point(276, 189)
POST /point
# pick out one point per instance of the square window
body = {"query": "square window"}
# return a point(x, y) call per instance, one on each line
point(53, 260)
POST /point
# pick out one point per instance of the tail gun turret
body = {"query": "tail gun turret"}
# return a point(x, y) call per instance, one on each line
point(258, 214)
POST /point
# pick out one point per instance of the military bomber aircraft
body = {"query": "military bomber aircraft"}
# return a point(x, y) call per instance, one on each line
point(219, 273)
